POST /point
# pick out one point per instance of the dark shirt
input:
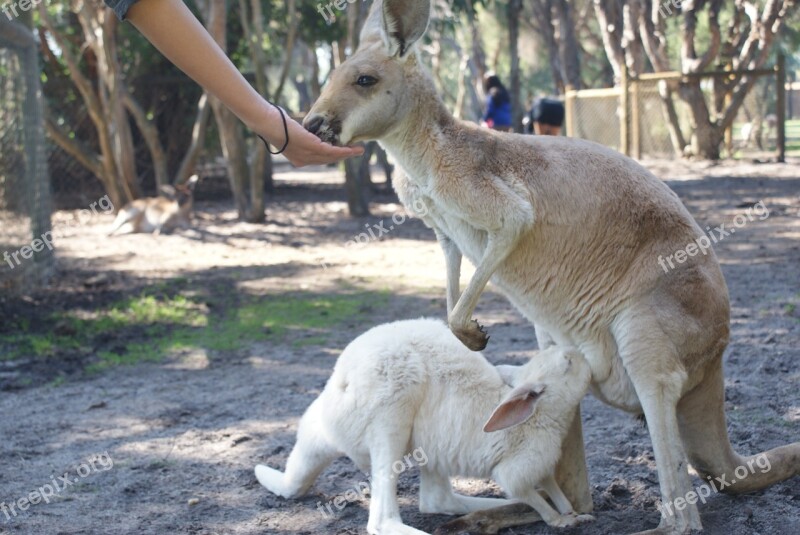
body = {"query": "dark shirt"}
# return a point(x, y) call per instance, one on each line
point(548, 111)
point(120, 7)
point(498, 112)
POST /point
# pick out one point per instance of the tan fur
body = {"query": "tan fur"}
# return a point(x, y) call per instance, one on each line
point(571, 232)
point(157, 215)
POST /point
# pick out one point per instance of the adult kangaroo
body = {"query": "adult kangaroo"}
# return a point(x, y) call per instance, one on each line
point(571, 232)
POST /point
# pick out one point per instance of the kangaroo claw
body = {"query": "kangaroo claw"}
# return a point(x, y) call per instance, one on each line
point(473, 336)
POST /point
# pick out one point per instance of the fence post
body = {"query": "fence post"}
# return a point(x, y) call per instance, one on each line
point(636, 127)
point(780, 74)
point(624, 133)
point(729, 130)
point(569, 98)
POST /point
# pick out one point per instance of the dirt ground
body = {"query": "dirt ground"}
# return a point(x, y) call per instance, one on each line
point(163, 438)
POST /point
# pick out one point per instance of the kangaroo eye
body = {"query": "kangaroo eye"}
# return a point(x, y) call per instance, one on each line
point(366, 81)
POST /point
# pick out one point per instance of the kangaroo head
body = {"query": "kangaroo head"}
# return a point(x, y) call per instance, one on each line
point(562, 374)
point(369, 93)
point(184, 193)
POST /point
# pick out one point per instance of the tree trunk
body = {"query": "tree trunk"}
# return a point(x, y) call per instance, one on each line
point(111, 76)
point(568, 45)
point(514, 12)
point(706, 136)
point(150, 134)
point(95, 96)
point(357, 187)
point(356, 170)
point(198, 136)
point(230, 132)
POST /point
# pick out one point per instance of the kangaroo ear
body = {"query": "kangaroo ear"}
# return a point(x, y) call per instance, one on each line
point(167, 191)
point(516, 408)
point(404, 22)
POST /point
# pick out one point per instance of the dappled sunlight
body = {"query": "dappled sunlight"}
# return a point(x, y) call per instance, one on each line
point(191, 357)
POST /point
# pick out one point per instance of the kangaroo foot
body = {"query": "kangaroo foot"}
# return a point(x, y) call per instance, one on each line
point(490, 521)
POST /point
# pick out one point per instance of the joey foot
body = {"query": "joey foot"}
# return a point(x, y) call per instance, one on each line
point(463, 526)
point(490, 521)
point(473, 335)
point(665, 531)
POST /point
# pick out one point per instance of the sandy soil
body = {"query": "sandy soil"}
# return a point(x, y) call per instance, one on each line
point(182, 436)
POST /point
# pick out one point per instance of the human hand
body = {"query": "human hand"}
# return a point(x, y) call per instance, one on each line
point(305, 148)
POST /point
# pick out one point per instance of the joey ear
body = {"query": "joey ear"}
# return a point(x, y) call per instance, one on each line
point(516, 408)
point(404, 22)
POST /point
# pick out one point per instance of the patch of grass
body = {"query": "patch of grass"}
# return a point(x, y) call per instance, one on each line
point(141, 310)
point(153, 325)
point(58, 381)
point(17, 346)
point(133, 353)
point(310, 341)
point(275, 316)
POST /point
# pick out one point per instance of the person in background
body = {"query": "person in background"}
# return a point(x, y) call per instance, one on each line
point(498, 104)
point(177, 33)
point(545, 118)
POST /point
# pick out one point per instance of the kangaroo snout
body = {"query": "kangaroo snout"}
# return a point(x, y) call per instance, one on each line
point(327, 129)
point(313, 123)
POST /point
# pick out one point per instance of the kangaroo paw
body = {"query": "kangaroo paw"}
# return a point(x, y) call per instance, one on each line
point(473, 336)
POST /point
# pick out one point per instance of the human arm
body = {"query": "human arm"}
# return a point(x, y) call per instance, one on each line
point(177, 33)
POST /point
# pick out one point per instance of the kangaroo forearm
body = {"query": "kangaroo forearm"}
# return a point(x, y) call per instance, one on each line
point(452, 258)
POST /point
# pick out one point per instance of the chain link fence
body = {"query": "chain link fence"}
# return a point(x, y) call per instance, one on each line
point(645, 117)
point(27, 260)
point(595, 114)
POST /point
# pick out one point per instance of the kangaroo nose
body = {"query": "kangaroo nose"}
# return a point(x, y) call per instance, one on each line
point(314, 123)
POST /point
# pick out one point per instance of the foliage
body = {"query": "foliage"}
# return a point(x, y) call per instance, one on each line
point(169, 99)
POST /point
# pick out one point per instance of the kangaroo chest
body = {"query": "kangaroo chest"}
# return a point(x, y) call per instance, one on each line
point(441, 216)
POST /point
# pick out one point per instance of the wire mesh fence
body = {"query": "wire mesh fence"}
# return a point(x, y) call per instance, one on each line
point(25, 246)
point(595, 114)
point(646, 116)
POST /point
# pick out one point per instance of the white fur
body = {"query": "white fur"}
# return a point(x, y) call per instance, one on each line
point(412, 384)
point(574, 234)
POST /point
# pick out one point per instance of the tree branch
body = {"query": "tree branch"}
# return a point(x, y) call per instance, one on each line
point(150, 135)
point(82, 155)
